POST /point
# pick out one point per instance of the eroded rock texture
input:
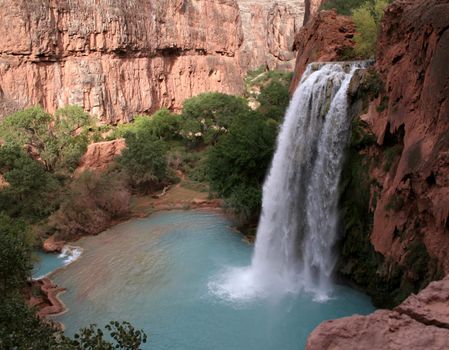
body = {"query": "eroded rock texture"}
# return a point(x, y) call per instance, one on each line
point(421, 322)
point(412, 116)
point(269, 29)
point(117, 58)
point(324, 38)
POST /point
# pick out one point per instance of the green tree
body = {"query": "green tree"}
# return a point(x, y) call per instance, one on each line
point(367, 19)
point(58, 141)
point(29, 185)
point(144, 160)
point(274, 99)
point(343, 7)
point(15, 253)
point(209, 115)
point(239, 161)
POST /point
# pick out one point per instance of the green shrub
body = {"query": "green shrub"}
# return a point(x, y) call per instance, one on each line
point(144, 160)
point(343, 7)
point(367, 19)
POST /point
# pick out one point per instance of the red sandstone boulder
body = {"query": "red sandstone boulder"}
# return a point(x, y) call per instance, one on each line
point(52, 245)
point(421, 322)
point(100, 155)
point(324, 38)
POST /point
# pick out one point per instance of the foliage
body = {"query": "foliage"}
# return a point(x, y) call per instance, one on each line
point(58, 141)
point(238, 163)
point(20, 328)
point(367, 19)
point(124, 336)
point(144, 160)
point(163, 125)
point(29, 185)
point(274, 99)
point(207, 116)
point(343, 7)
point(91, 204)
point(15, 252)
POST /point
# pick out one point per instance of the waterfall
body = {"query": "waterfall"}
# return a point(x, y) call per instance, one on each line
point(298, 226)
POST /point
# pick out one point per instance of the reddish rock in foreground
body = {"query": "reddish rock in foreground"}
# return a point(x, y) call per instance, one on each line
point(421, 322)
point(324, 38)
point(100, 155)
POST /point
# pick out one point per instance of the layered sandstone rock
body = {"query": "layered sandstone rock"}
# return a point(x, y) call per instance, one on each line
point(269, 29)
point(324, 38)
point(421, 322)
point(120, 58)
point(100, 155)
point(117, 58)
point(412, 115)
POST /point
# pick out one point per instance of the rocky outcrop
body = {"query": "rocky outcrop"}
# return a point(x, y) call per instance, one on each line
point(120, 58)
point(100, 155)
point(311, 9)
point(269, 29)
point(117, 58)
point(323, 38)
point(410, 121)
point(52, 245)
point(421, 322)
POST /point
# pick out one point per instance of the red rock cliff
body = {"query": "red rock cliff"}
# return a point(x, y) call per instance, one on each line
point(413, 54)
point(117, 58)
point(120, 58)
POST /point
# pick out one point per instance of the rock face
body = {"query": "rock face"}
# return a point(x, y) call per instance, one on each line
point(311, 9)
point(100, 155)
point(323, 38)
point(117, 58)
point(412, 115)
point(421, 322)
point(269, 29)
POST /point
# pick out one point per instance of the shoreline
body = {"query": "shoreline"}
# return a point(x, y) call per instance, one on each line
point(54, 306)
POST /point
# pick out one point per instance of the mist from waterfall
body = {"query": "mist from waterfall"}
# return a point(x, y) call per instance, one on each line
point(297, 230)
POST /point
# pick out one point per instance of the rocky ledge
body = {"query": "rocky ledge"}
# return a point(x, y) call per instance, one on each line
point(420, 322)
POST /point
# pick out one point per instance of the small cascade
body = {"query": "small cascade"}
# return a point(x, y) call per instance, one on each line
point(298, 226)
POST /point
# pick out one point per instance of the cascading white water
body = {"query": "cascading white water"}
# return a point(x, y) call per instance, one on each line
point(298, 227)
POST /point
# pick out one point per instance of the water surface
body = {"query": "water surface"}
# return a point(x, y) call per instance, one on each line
point(157, 273)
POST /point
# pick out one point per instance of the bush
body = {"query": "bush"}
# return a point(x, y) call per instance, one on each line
point(163, 125)
point(94, 200)
point(15, 253)
point(144, 160)
point(343, 7)
point(367, 19)
point(58, 141)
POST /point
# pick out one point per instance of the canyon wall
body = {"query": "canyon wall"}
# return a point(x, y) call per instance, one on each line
point(269, 29)
point(411, 114)
point(117, 58)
